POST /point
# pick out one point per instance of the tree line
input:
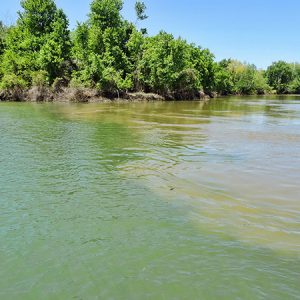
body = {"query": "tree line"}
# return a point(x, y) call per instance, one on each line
point(115, 56)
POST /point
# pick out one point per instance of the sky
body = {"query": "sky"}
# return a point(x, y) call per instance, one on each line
point(254, 31)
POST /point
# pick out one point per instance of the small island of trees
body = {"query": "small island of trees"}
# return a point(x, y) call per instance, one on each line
point(111, 57)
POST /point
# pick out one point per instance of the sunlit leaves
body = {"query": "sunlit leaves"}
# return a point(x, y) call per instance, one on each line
point(140, 9)
point(39, 41)
point(280, 74)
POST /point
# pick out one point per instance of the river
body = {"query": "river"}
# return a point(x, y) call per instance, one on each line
point(165, 200)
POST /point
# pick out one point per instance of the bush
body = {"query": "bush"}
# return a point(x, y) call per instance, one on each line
point(11, 82)
point(12, 88)
point(187, 85)
point(294, 86)
point(280, 75)
point(40, 78)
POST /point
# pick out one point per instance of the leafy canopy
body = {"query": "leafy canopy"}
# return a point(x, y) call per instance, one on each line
point(39, 42)
point(140, 9)
point(112, 55)
point(280, 74)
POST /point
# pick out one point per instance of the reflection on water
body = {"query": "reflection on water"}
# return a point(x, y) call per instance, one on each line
point(182, 200)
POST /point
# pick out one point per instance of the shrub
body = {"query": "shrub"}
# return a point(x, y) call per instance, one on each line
point(11, 82)
point(40, 78)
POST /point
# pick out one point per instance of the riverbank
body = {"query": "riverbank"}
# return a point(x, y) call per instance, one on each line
point(85, 95)
point(89, 95)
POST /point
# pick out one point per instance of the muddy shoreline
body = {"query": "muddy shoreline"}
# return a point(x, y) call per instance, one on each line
point(84, 95)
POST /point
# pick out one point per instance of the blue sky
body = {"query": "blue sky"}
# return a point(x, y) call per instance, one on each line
point(256, 31)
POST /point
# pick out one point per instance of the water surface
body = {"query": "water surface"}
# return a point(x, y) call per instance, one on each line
point(184, 200)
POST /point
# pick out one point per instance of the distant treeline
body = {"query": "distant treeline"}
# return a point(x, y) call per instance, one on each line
point(115, 56)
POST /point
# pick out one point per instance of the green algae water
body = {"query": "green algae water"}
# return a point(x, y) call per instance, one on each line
point(171, 200)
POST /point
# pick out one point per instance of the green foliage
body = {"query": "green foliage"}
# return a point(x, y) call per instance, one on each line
point(260, 83)
point(100, 50)
point(114, 56)
point(12, 81)
point(134, 47)
point(234, 77)
point(280, 75)
point(140, 9)
point(2, 45)
point(187, 84)
point(223, 78)
point(55, 52)
point(39, 78)
point(172, 67)
point(294, 85)
point(3, 31)
point(105, 14)
point(296, 69)
point(38, 42)
point(203, 62)
point(162, 61)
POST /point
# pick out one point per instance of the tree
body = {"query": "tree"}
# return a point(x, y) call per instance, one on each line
point(172, 67)
point(223, 83)
point(158, 64)
point(55, 52)
point(100, 48)
point(3, 31)
point(294, 85)
point(140, 9)
point(245, 84)
point(234, 77)
point(39, 42)
point(279, 75)
point(135, 48)
point(113, 56)
point(202, 61)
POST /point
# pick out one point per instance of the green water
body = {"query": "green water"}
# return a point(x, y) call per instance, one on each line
point(151, 200)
